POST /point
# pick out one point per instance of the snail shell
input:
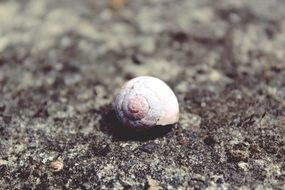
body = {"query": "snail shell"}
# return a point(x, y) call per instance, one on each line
point(144, 102)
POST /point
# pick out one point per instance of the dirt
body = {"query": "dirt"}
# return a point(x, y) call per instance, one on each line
point(62, 62)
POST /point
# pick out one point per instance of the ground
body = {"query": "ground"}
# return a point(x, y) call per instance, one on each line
point(61, 63)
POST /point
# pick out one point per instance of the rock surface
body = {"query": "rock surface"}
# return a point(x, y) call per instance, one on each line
point(61, 63)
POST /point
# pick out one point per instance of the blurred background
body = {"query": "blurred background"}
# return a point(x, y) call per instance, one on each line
point(61, 62)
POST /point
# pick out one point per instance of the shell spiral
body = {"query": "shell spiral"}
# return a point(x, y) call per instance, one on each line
point(144, 102)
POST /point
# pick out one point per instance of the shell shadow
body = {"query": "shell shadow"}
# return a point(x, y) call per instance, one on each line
point(109, 124)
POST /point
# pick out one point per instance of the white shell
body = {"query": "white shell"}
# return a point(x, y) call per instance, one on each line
point(145, 102)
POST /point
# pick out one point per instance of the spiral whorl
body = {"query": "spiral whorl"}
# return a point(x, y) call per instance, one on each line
point(137, 107)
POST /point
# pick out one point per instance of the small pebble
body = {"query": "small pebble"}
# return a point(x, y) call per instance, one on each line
point(56, 166)
point(117, 4)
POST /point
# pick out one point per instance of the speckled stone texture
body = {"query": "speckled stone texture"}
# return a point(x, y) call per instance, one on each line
point(62, 61)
